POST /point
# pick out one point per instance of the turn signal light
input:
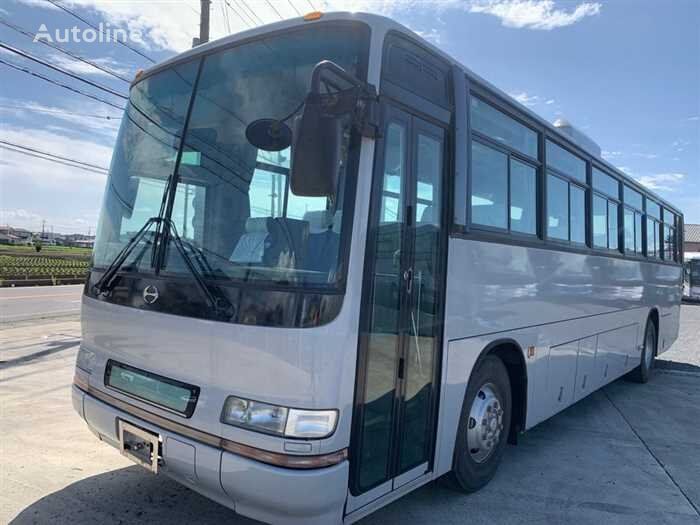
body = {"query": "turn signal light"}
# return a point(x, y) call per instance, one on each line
point(314, 15)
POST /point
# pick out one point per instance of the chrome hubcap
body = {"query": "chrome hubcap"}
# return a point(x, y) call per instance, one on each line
point(485, 423)
point(649, 348)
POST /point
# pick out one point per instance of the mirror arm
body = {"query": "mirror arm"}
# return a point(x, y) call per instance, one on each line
point(366, 108)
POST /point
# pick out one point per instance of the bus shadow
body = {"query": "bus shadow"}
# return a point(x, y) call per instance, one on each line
point(663, 364)
point(127, 495)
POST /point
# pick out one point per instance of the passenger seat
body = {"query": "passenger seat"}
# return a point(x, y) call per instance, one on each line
point(252, 245)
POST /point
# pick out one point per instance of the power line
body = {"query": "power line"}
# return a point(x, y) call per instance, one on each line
point(294, 7)
point(49, 157)
point(253, 14)
point(33, 36)
point(26, 55)
point(224, 13)
point(56, 111)
point(274, 9)
point(39, 152)
point(244, 20)
point(86, 22)
point(60, 84)
point(52, 160)
point(312, 5)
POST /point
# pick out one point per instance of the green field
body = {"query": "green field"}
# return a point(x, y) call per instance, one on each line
point(20, 265)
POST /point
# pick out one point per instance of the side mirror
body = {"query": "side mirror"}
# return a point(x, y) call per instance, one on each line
point(322, 132)
point(316, 151)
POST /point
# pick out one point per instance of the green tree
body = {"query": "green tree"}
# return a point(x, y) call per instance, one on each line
point(37, 244)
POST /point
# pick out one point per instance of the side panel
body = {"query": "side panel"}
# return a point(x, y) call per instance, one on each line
point(585, 367)
point(557, 302)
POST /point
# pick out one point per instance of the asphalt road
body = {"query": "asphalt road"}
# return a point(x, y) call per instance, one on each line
point(32, 302)
point(627, 454)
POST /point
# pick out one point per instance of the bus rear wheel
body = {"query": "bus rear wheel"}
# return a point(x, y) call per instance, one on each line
point(483, 427)
point(643, 372)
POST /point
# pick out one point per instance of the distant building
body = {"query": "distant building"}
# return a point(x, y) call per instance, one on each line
point(79, 240)
point(691, 239)
point(15, 236)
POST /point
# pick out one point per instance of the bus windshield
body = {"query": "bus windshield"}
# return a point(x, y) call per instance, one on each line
point(695, 272)
point(232, 206)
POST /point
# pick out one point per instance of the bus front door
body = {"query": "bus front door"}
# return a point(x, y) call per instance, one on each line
point(401, 322)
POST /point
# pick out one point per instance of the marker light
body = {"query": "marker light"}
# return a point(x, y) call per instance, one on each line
point(313, 15)
point(282, 421)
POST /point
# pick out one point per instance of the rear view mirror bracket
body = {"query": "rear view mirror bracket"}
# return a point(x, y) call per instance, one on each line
point(360, 101)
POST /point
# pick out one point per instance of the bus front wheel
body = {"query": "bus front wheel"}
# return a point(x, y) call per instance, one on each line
point(643, 372)
point(483, 427)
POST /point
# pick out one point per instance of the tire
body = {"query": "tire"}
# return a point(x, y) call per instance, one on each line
point(488, 397)
point(644, 371)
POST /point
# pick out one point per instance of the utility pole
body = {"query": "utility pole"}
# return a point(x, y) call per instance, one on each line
point(205, 6)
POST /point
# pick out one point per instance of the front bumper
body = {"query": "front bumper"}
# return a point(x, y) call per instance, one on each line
point(251, 488)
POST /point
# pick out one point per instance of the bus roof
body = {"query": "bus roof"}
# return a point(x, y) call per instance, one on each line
point(384, 24)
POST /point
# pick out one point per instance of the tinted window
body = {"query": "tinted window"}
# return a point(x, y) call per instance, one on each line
point(633, 197)
point(668, 243)
point(394, 162)
point(577, 205)
point(600, 222)
point(491, 122)
point(669, 217)
point(638, 233)
point(567, 163)
point(612, 226)
point(489, 186)
point(653, 209)
point(557, 208)
point(628, 225)
point(606, 184)
point(652, 238)
point(523, 198)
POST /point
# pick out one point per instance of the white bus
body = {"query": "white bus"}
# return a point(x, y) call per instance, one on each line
point(333, 264)
point(691, 281)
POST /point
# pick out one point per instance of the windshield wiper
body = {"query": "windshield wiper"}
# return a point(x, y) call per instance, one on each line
point(105, 284)
point(219, 303)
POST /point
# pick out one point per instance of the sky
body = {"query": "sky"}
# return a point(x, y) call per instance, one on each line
point(626, 72)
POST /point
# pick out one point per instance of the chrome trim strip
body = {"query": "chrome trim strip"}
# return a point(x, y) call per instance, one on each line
point(264, 456)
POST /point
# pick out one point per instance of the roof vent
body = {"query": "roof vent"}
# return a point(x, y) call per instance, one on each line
point(578, 137)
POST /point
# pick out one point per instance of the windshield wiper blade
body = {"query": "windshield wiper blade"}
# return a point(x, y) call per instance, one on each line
point(220, 304)
point(106, 282)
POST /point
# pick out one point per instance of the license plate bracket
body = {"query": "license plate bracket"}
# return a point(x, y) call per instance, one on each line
point(139, 445)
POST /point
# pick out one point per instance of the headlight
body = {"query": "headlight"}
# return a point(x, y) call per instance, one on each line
point(282, 421)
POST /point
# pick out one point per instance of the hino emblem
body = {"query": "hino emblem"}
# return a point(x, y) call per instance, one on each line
point(150, 294)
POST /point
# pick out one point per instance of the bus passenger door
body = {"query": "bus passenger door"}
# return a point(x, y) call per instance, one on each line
point(401, 322)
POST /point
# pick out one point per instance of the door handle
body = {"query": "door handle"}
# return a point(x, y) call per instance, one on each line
point(408, 277)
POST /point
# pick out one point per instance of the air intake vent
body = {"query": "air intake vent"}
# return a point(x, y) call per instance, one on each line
point(578, 137)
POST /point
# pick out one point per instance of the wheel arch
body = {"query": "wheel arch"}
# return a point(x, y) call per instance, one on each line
point(656, 319)
point(510, 352)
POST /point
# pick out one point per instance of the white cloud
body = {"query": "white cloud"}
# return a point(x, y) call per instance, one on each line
point(648, 156)
point(625, 169)
point(550, 101)
point(81, 115)
point(49, 175)
point(694, 118)
point(608, 155)
point(20, 218)
point(432, 35)
point(525, 99)
point(75, 66)
point(534, 14)
point(662, 181)
point(680, 145)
